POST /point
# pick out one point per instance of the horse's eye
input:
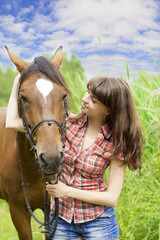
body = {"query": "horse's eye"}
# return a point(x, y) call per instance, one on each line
point(24, 99)
point(64, 96)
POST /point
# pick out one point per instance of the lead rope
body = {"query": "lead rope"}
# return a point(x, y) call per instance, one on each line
point(56, 213)
point(45, 224)
point(23, 184)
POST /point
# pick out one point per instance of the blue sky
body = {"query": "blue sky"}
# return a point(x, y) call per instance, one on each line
point(104, 34)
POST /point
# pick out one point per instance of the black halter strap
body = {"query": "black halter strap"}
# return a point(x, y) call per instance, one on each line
point(29, 134)
point(49, 121)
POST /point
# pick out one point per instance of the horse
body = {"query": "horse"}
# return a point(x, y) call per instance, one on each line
point(41, 100)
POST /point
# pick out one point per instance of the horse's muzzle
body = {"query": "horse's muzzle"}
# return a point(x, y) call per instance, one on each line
point(51, 164)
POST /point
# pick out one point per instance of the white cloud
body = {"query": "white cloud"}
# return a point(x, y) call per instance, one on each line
point(24, 11)
point(10, 26)
point(8, 6)
point(42, 23)
point(123, 25)
point(114, 65)
point(108, 15)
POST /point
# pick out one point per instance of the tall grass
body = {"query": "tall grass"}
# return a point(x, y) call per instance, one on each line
point(7, 230)
point(138, 211)
point(76, 80)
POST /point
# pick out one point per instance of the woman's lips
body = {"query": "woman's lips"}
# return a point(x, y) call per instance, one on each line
point(83, 105)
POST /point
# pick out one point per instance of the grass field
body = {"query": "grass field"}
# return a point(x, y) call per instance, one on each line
point(7, 230)
point(138, 209)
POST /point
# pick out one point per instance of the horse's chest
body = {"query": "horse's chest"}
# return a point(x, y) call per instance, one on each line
point(35, 194)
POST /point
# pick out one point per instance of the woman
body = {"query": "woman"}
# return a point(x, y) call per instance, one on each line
point(105, 134)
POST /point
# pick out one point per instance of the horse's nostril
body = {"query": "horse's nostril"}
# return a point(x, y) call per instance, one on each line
point(61, 155)
point(43, 160)
point(59, 158)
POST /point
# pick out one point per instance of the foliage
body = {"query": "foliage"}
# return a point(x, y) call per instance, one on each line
point(7, 229)
point(139, 204)
point(73, 73)
point(6, 81)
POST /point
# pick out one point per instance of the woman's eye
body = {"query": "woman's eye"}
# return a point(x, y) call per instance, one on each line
point(93, 100)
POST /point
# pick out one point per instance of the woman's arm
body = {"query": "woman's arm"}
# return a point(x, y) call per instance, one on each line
point(107, 198)
point(12, 118)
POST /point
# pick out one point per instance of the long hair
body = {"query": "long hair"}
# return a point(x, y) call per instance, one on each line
point(122, 119)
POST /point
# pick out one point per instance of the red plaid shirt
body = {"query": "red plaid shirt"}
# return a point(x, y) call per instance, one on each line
point(84, 170)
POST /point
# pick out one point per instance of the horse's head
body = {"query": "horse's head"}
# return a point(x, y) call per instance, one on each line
point(42, 93)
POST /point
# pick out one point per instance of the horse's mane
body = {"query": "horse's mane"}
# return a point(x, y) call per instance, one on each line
point(42, 65)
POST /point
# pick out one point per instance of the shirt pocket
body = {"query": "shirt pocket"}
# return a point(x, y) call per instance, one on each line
point(93, 163)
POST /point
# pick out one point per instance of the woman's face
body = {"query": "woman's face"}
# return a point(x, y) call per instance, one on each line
point(92, 107)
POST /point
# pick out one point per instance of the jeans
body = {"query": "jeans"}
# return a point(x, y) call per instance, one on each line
point(104, 227)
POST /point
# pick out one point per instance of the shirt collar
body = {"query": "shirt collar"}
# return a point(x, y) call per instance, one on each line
point(105, 129)
point(82, 121)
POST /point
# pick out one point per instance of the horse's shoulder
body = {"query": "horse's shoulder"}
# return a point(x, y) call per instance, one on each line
point(3, 111)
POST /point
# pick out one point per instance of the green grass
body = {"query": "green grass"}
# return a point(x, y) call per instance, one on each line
point(138, 209)
point(7, 230)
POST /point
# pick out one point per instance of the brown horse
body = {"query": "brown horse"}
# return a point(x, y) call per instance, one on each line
point(42, 91)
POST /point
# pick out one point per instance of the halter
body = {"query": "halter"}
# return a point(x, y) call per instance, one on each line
point(29, 134)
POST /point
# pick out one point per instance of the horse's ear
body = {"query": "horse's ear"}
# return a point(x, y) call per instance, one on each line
point(18, 62)
point(58, 57)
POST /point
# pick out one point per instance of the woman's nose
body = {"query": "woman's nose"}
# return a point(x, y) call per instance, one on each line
point(85, 98)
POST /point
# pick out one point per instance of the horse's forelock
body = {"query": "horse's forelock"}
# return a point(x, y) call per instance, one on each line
point(42, 65)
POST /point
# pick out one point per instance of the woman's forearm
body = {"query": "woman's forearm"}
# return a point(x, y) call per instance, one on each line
point(60, 190)
point(99, 198)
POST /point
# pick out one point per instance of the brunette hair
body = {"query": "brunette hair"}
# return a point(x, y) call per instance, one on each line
point(122, 119)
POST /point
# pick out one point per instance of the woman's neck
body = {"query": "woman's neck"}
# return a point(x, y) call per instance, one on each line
point(95, 123)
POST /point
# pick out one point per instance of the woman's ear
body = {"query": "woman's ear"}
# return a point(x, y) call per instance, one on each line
point(107, 111)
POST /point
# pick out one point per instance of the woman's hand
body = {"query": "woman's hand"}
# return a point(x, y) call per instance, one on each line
point(57, 189)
